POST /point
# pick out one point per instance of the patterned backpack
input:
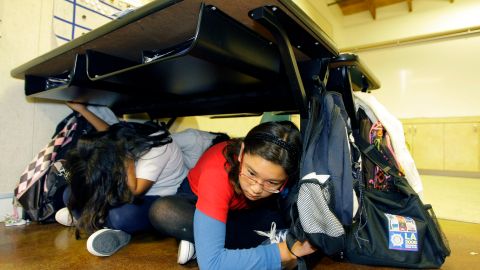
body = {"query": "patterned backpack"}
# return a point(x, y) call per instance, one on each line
point(41, 185)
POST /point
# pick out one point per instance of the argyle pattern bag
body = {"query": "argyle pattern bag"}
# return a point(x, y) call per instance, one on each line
point(41, 163)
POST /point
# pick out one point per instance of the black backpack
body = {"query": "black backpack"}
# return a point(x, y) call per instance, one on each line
point(395, 228)
point(329, 170)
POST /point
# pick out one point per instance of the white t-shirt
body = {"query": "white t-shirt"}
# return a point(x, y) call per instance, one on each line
point(193, 143)
point(164, 166)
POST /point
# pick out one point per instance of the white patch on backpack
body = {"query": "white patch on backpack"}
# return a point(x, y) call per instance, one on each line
point(321, 178)
point(402, 233)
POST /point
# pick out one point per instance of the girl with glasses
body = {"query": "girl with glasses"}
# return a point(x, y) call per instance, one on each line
point(236, 188)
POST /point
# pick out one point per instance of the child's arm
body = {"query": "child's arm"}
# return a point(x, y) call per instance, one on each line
point(210, 233)
point(137, 186)
point(211, 253)
point(94, 120)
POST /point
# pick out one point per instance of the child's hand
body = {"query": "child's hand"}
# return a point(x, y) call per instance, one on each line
point(302, 249)
point(299, 249)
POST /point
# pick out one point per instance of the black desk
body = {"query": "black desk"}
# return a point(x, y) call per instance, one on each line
point(218, 58)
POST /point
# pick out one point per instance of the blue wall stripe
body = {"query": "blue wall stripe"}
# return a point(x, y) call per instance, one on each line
point(83, 27)
point(89, 9)
point(62, 38)
point(107, 4)
point(62, 19)
point(6, 196)
point(76, 25)
point(94, 11)
point(73, 19)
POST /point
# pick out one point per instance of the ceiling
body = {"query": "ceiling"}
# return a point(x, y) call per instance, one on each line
point(349, 7)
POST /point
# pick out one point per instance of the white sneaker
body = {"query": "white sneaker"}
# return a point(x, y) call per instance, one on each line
point(186, 252)
point(63, 217)
point(274, 236)
point(106, 242)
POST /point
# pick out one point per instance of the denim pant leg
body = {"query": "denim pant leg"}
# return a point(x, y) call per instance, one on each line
point(132, 217)
point(66, 196)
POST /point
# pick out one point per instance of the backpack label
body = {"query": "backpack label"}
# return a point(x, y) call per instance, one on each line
point(402, 233)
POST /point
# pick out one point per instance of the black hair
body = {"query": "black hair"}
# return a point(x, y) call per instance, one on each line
point(98, 178)
point(220, 137)
point(278, 142)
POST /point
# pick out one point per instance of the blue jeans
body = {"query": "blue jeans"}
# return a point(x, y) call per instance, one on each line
point(129, 217)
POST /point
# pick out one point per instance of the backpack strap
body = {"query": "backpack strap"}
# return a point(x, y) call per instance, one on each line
point(162, 139)
point(148, 128)
point(376, 157)
point(290, 240)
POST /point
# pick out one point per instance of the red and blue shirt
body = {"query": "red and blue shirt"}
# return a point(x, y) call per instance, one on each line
point(209, 181)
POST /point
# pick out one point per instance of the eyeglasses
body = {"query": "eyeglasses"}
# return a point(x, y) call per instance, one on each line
point(268, 185)
point(272, 186)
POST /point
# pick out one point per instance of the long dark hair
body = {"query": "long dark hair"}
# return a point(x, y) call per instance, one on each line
point(277, 142)
point(98, 179)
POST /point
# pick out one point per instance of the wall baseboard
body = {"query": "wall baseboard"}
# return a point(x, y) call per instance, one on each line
point(6, 196)
point(450, 173)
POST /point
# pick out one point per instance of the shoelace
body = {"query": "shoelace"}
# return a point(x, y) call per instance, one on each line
point(273, 235)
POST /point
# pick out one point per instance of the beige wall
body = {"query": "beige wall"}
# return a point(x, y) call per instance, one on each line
point(319, 15)
point(437, 79)
point(395, 22)
point(25, 126)
point(235, 127)
point(430, 79)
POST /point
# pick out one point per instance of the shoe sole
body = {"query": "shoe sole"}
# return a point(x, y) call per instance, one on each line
point(92, 241)
point(59, 217)
point(185, 248)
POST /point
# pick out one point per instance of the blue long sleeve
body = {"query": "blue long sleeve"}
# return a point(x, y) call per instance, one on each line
point(211, 252)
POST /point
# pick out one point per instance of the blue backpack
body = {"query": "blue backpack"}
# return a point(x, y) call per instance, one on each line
point(330, 166)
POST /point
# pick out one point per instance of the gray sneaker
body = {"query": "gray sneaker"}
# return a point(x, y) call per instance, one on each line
point(106, 242)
